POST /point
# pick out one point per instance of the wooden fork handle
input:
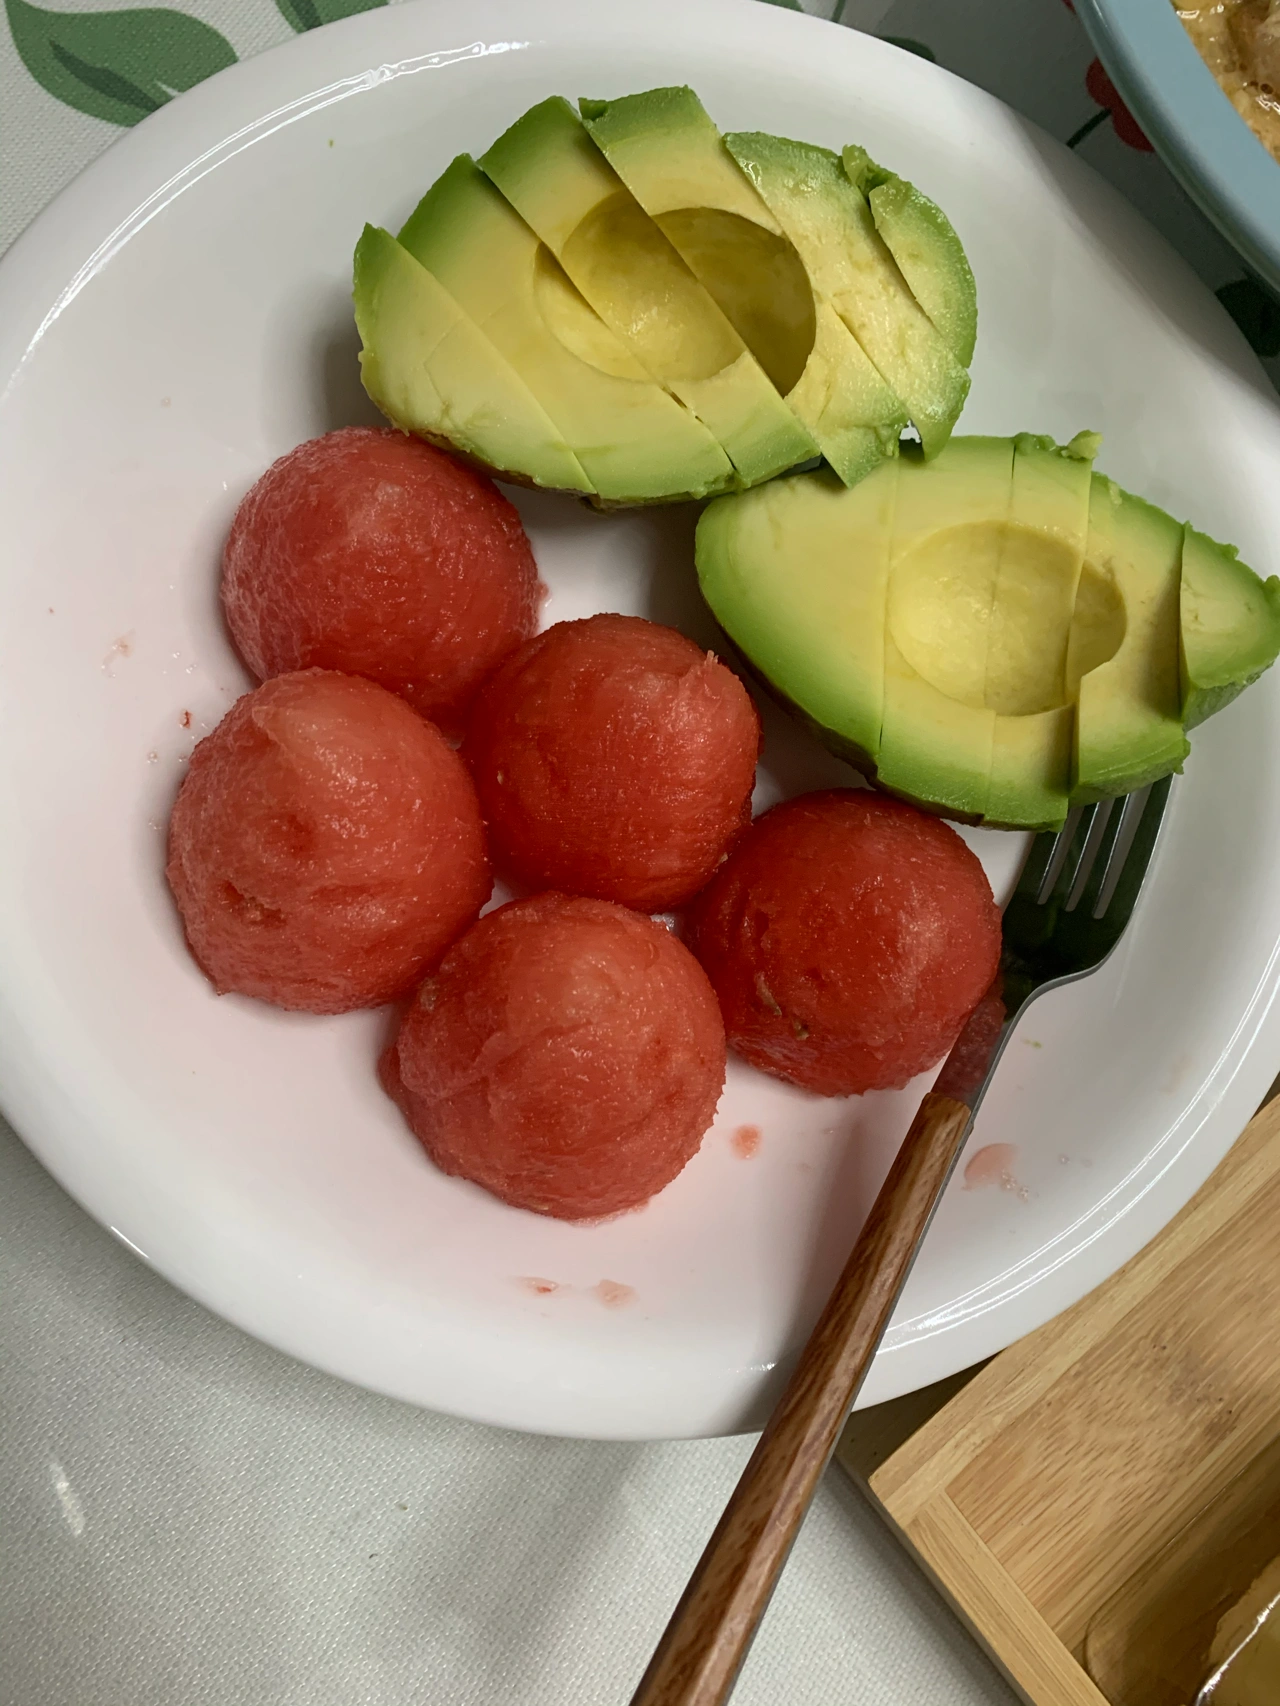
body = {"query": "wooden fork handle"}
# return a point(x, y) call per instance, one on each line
point(698, 1658)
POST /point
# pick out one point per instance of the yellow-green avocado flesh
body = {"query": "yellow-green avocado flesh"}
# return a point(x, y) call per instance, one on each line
point(433, 373)
point(666, 149)
point(996, 634)
point(923, 241)
point(850, 266)
point(559, 182)
point(635, 442)
point(613, 305)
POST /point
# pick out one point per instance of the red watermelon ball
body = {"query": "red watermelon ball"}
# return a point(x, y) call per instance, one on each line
point(848, 938)
point(325, 846)
point(566, 1054)
point(613, 758)
point(375, 554)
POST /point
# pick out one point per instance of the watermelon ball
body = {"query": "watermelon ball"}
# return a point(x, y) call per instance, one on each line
point(325, 846)
point(372, 553)
point(566, 1054)
point(613, 758)
point(848, 938)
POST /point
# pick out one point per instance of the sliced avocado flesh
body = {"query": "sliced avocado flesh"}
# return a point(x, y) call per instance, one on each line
point(433, 373)
point(1036, 589)
point(664, 145)
point(1229, 623)
point(854, 416)
point(560, 183)
point(849, 264)
point(924, 243)
point(1128, 707)
point(938, 736)
point(635, 442)
point(666, 149)
point(796, 572)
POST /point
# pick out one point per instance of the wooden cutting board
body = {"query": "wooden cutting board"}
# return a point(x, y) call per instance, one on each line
point(1095, 1497)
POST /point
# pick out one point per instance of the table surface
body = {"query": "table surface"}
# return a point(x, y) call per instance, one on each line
point(188, 1518)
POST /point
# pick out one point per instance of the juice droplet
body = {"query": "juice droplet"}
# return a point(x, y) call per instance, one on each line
point(745, 1141)
point(991, 1166)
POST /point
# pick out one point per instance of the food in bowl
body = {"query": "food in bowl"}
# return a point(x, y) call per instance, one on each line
point(1239, 40)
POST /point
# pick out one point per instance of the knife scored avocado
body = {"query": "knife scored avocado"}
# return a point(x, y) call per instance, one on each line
point(998, 633)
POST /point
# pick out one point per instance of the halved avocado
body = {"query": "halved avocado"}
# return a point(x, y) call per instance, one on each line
point(1229, 623)
point(995, 633)
point(850, 266)
point(560, 183)
point(433, 373)
point(665, 148)
point(923, 241)
point(635, 443)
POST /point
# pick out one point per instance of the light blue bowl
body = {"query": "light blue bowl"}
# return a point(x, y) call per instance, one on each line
point(1192, 125)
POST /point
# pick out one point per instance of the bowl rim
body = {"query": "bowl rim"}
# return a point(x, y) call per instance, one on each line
point(1191, 122)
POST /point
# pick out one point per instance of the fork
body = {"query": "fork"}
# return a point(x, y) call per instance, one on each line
point(1073, 900)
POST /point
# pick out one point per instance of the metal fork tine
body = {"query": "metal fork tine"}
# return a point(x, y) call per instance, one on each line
point(1087, 900)
point(1066, 877)
point(1099, 861)
point(1124, 896)
point(1039, 858)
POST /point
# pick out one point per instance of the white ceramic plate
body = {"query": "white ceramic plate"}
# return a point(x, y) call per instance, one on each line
point(179, 318)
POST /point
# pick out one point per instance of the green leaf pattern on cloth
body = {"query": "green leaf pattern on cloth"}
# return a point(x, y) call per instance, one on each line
point(310, 14)
point(118, 66)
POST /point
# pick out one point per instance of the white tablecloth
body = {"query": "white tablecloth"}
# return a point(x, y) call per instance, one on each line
point(190, 1519)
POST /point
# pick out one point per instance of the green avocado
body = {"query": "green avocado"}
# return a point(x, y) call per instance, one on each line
point(1128, 704)
point(923, 241)
point(665, 148)
point(1229, 624)
point(998, 633)
point(560, 183)
point(431, 372)
point(635, 443)
point(828, 220)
